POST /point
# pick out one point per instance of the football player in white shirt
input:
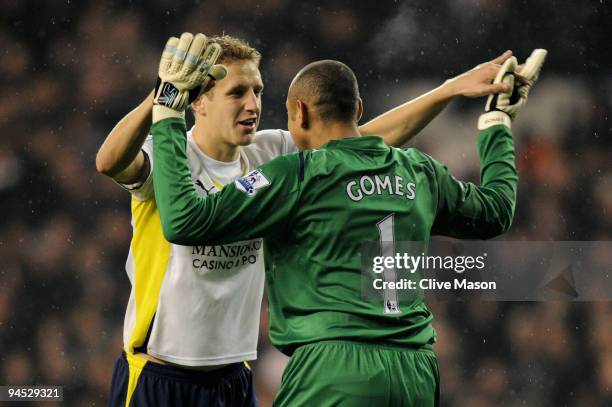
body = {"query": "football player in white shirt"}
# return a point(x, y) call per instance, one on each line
point(182, 328)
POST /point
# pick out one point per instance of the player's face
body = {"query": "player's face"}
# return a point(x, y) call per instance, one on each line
point(233, 106)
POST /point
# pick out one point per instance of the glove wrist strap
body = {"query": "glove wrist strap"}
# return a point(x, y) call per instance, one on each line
point(162, 112)
point(494, 118)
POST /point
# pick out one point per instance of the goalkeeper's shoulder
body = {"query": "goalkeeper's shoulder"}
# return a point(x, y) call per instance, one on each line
point(415, 156)
point(287, 166)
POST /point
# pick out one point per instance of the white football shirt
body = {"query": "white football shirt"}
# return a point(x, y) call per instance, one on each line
point(196, 305)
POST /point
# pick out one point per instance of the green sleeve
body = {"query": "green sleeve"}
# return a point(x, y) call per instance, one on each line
point(241, 211)
point(466, 210)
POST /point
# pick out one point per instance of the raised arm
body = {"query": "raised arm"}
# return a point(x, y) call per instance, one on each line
point(120, 156)
point(466, 210)
point(400, 124)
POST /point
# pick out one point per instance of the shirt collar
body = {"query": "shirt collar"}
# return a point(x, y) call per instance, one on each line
point(357, 143)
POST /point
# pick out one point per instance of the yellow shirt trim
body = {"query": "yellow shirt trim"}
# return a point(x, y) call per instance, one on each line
point(151, 253)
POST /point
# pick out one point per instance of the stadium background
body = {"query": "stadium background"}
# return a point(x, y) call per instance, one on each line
point(69, 70)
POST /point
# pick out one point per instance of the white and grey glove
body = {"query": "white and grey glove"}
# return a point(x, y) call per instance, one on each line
point(503, 107)
point(186, 69)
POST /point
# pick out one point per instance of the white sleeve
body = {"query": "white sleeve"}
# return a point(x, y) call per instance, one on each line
point(274, 143)
point(143, 190)
point(288, 143)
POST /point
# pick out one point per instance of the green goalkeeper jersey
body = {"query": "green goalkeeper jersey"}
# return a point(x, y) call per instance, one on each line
point(315, 208)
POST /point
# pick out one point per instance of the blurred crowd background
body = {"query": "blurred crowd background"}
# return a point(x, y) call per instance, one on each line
point(69, 70)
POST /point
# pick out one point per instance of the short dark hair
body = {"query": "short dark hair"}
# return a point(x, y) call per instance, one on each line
point(331, 87)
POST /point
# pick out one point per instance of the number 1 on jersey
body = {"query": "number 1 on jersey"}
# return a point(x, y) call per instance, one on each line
point(386, 232)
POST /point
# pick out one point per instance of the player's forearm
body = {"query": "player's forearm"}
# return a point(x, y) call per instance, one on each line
point(400, 124)
point(498, 174)
point(469, 211)
point(184, 215)
point(116, 157)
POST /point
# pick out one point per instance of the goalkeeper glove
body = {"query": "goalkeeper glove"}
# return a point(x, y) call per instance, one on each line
point(186, 69)
point(513, 100)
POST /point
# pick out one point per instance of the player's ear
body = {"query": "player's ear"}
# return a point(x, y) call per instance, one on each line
point(302, 117)
point(359, 109)
point(198, 106)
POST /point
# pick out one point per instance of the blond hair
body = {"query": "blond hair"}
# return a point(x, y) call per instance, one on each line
point(235, 49)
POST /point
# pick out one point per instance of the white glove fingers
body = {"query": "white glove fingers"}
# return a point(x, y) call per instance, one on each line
point(210, 57)
point(506, 71)
point(181, 52)
point(533, 65)
point(509, 80)
point(510, 102)
point(168, 54)
point(203, 75)
point(507, 68)
point(187, 66)
point(195, 50)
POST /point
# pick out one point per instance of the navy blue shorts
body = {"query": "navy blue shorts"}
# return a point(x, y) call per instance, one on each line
point(145, 383)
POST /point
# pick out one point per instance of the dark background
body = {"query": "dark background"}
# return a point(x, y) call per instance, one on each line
point(69, 70)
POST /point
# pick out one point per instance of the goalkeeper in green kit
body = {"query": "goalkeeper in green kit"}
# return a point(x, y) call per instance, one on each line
point(316, 207)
